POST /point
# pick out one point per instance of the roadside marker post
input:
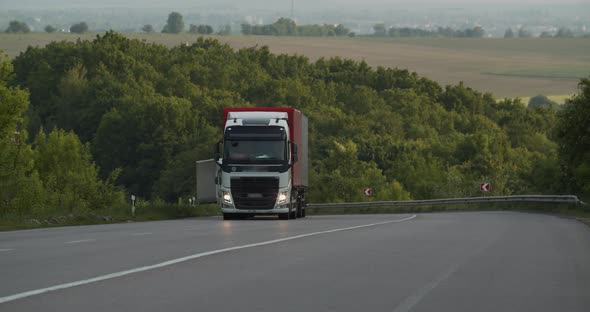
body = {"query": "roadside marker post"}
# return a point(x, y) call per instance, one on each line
point(133, 205)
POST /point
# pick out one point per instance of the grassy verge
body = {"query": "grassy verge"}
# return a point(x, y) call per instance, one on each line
point(144, 212)
point(164, 211)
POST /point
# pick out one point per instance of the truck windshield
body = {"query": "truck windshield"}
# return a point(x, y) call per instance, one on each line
point(249, 151)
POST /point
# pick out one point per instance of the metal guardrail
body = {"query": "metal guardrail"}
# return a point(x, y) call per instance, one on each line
point(572, 199)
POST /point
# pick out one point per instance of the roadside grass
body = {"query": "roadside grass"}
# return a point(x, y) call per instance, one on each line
point(521, 67)
point(154, 211)
point(146, 211)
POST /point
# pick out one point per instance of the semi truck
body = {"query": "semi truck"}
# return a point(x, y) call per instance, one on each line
point(263, 163)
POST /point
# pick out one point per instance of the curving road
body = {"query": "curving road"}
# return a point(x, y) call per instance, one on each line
point(484, 261)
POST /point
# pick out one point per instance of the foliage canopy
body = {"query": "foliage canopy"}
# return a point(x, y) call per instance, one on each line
point(153, 111)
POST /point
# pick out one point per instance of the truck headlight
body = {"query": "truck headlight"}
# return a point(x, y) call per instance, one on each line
point(226, 198)
point(282, 197)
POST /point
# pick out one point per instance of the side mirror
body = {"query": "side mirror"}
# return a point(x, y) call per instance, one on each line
point(294, 157)
point(216, 154)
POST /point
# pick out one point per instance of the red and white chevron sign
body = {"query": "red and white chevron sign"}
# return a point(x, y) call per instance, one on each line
point(484, 187)
point(368, 191)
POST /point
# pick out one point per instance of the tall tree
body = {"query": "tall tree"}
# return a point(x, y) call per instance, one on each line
point(379, 30)
point(79, 28)
point(20, 188)
point(574, 136)
point(50, 29)
point(509, 33)
point(148, 28)
point(564, 32)
point(18, 27)
point(69, 175)
point(175, 24)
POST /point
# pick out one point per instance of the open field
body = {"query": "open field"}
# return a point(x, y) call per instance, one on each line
point(559, 99)
point(505, 67)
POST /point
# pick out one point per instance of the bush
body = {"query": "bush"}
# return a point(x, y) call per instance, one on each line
point(148, 28)
point(79, 28)
point(18, 27)
point(540, 101)
point(50, 29)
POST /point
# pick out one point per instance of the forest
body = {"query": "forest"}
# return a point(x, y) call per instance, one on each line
point(288, 27)
point(85, 124)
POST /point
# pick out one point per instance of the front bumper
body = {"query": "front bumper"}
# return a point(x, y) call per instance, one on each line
point(284, 209)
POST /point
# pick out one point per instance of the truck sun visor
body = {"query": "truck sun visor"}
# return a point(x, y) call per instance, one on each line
point(255, 132)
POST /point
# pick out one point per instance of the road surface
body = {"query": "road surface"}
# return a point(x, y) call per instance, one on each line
point(478, 261)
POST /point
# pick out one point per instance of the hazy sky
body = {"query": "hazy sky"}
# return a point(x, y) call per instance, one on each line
point(304, 4)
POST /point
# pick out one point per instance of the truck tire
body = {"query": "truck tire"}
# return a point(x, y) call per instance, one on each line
point(293, 213)
point(299, 210)
point(284, 216)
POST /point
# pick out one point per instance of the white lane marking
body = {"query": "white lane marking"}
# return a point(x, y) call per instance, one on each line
point(80, 241)
point(141, 234)
point(6, 249)
point(184, 259)
point(415, 298)
point(410, 302)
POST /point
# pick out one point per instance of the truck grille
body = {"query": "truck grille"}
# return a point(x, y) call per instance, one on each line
point(254, 193)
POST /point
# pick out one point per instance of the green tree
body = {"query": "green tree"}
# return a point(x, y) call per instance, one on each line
point(174, 24)
point(68, 173)
point(379, 30)
point(540, 101)
point(509, 33)
point(148, 28)
point(341, 177)
point(478, 32)
point(18, 27)
point(203, 29)
point(50, 29)
point(20, 188)
point(341, 30)
point(141, 136)
point(79, 28)
point(573, 133)
point(246, 29)
point(564, 32)
point(147, 108)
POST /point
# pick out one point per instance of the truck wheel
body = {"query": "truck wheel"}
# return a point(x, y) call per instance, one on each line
point(303, 212)
point(284, 216)
point(293, 210)
point(299, 210)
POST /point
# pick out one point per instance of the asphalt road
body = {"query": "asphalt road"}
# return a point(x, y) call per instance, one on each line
point(488, 261)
